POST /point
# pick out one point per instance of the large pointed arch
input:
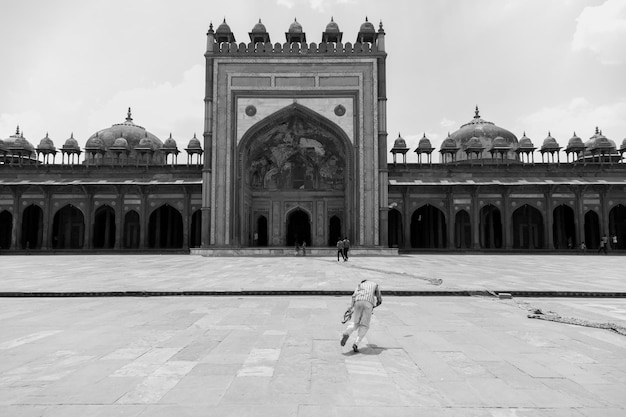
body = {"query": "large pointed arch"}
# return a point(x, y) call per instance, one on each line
point(287, 158)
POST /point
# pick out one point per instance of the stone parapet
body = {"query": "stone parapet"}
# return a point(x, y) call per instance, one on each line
point(295, 48)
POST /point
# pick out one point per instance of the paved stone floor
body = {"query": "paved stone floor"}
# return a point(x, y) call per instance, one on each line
point(280, 355)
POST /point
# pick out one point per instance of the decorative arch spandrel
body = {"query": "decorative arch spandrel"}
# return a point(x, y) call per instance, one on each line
point(295, 149)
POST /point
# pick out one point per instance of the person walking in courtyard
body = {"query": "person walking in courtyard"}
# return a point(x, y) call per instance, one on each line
point(603, 244)
point(340, 249)
point(346, 248)
point(365, 298)
point(614, 242)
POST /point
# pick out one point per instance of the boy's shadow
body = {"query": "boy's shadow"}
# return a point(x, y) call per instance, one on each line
point(369, 349)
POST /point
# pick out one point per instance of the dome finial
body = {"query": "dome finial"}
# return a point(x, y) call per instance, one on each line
point(128, 116)
point(380, 25)
point(17, 131)
point(366, 19)
point(476, 114)
point(331, 19)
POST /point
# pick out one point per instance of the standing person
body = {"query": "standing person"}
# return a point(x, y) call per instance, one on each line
point(340, 249)
point(364, 299)
point(303, 248)
point(614, 242)
point(346, 248)
point(603, 243)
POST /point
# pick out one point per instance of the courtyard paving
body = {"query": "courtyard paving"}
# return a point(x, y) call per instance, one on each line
point(280, 355)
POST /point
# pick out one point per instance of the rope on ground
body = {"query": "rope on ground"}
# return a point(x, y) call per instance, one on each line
point(551, 316)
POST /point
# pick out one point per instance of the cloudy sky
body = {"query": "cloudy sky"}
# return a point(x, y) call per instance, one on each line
point(75, 66)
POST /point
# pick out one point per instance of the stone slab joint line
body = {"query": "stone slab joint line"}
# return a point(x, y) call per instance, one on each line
point(433, 281)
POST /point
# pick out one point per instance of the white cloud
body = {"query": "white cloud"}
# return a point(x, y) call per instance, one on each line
point(447, 123)
point(578, 115)
point(287, 3)
point(602, 30)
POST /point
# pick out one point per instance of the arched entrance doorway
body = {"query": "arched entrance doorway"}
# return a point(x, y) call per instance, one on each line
point(294, 158)
point(68, 228)
point(563, 228)
point(428, 228)
point(462, 230)
point(592, 229)
point(32, 227)
point(490, 227)
point(104, 228)
point(298, 228)
point(527, 228)
point(6, 229)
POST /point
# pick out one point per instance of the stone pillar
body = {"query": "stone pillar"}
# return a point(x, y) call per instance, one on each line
point(451, 220)
point(89, 208)
point(549, 239)
point(186, 217)
point(143, 213)
point(47, 220)
point(507, 236)
point(406, 219)
point(16, 231)
point(119, 215)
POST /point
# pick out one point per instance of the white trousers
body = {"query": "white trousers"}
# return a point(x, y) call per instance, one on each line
point(360, 320)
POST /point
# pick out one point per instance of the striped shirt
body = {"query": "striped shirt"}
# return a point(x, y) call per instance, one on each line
point(368, 291)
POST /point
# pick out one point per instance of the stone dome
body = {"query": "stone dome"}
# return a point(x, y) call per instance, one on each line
point(367, 27)
point(223, 28)
point(94, 143)
point(474, 145)
point(550, 144)
point(399, 143)
point(194, 143)
point(500, 143)
point(18, 142)
point(71, 144)
point(259, 28)
point(623, 147)
point(332, 27)
point(3, 147)
point(46, 144)
point(575, 142)
point(486, 132)
point(598, 142)
point(424, 143)
point(120, 143)
point(525, 143)
point(295, 27)
point(133, 134)
point(449, 144)
point(170, 143)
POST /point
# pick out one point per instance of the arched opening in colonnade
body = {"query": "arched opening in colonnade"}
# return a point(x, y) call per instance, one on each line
point(32, 227)
point(490, 227)
point(68, 228)
point(617, 226)
point(428, 228)
point(165, 228)
point(104, 228)
point(527, 228)
point(563, 228)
